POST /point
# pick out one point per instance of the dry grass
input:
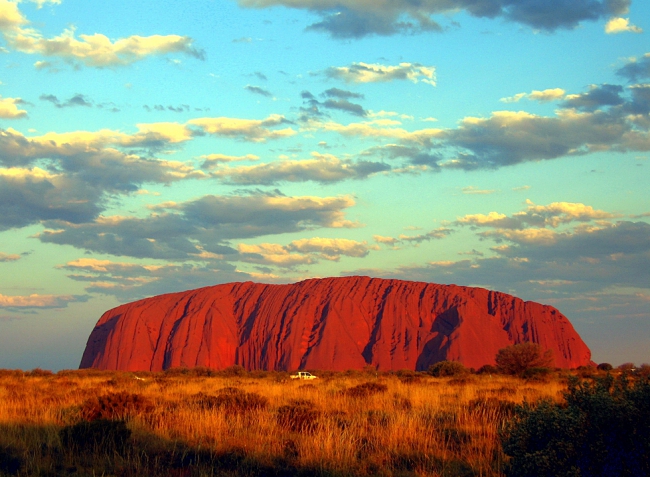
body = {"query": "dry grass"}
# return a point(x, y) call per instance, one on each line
point(263, 424)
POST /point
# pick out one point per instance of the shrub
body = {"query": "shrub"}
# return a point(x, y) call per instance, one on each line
point(604, 367)
point(114, 406)
point(626, 367)
point(488, 369)
point(603, 428)
point(447, 368)
point(518, 358)
point(366, 389)
point(10, 461)
point(107, 436)
point(537, 374)
point(298, 416)
point(232, 400)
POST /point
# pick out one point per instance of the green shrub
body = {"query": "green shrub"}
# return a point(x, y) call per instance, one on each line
point(447, 368)
point(604, 367)
point(603, 429)
point(516, 359)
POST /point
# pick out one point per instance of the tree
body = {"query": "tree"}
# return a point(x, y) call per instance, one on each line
point(602, 429)
point(516, 359)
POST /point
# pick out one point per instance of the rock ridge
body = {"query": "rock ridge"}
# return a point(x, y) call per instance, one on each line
point(330, 323)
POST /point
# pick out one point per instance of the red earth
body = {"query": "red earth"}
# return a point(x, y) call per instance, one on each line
point(331, 323)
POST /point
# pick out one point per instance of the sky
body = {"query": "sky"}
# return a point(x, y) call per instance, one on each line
point(149, 147)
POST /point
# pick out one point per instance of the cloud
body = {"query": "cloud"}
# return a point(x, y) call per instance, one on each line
point(376, 73)
point(621, 25)
point(344, 105)
point(21, 303)
point(254, 130)
point(597, 97)
point(4, 257)
point(636, 69)
point(76, 100)
point(342, 94)
point(508, 138)
point(323, 168)
point(202, 227)
point(216, 160)
point(303, 251)
point(9, 108)
point(359, 18)
point(475, 190)
point(259, 91)
point(579, 265)
point(82, 168)
point(540, 216)
point(129, 281)
point(337, 99)
point(95, 50)
point(544, 96)
point(435, 234)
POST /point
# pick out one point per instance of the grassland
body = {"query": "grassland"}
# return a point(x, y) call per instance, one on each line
point(234, 423)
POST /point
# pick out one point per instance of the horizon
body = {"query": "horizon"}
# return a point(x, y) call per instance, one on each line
point(149, 148)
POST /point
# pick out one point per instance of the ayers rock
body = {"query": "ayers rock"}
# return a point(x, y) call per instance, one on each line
point(332, 323)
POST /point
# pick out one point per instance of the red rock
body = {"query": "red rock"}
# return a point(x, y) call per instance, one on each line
point(332, 323)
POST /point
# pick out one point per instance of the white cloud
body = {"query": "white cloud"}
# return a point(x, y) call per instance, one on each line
point(376, 73)
point(621, 25)
point(9, 108)
point(95, 50)
point(543, 96)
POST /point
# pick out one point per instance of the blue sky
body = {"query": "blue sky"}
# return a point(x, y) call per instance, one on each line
point(151, 147)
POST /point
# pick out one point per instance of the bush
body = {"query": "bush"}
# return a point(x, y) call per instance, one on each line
point(518, 358)
point(366, 389)
point(100, 435)
point(298, 416)
point(232, 400)
point(488, 369)
point(447, 368)
point(537, 374)
point(10, 461)
point(603, 428)
point(604, 367)
point(114, 406)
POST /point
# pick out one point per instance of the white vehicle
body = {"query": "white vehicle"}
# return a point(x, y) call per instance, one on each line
point(303, 375)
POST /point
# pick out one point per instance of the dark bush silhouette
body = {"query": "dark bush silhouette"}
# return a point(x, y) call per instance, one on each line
point(604, 367)
point(97, 436)
point(298, 416)
point(516, 359)
point(447, 368)
point(118, 406)
point(10, 461)
point(366, 389)
point(603, 429)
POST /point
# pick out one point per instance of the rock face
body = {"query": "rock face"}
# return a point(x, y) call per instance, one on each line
point(333, 323)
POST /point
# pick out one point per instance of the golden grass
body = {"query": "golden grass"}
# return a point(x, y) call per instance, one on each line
point(420, 426)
